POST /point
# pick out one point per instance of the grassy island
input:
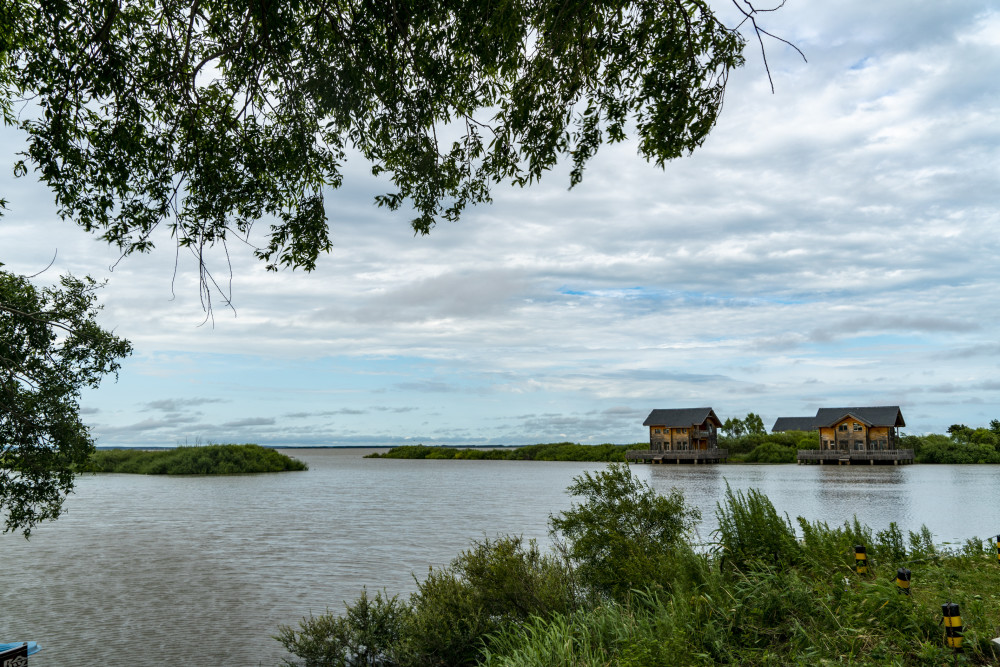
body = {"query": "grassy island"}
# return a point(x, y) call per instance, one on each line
point(630, 583)
point(203, 460)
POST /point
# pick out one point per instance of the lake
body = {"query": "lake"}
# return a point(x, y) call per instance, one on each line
point(201, 570)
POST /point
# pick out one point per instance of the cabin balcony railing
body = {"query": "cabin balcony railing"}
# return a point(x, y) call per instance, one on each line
point(681, 454)
point(855, 454)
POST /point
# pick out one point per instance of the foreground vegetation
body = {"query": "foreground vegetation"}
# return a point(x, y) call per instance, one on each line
point(202, 460)
point(626, 586)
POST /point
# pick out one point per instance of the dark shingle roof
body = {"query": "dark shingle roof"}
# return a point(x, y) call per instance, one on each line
point(794, 424)
point(886, 415)
point(681, 417)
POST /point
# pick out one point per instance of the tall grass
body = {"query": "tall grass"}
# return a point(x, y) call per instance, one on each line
point(202, 460)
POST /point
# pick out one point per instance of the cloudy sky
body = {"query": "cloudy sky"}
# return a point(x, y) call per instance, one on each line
point(834, 243)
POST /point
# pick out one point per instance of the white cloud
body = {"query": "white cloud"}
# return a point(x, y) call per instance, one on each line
point(834, 242)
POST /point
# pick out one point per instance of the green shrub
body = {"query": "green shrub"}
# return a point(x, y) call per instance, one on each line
point(624, 535)
point(368, 634)
point(203, 460)
point(747, 444)
point(939, 450)
point(493, 584)
point(770, 452)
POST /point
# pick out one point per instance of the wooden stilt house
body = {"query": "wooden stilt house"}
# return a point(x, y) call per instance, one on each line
point(681, 435)
point(851, 435)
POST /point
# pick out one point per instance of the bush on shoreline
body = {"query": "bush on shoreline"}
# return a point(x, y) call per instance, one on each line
point(760, 595)
point(202, 460)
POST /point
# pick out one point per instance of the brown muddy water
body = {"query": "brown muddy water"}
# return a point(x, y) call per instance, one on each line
point(201, 571)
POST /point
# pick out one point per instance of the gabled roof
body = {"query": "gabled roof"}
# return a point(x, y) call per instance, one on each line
point(794, 424)
point(886, 415)
point(681, 417)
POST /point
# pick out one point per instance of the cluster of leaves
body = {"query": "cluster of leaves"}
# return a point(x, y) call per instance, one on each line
point(981, 436)
point(202, 460)
point(629, 589)
point(51, 347)
point(210, 116)
point(556, 451)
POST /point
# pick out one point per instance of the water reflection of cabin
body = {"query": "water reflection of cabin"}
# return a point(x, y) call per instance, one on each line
point(686, 435)
point(851, 435)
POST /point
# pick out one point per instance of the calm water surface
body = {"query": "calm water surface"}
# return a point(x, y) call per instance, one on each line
point(200, 571)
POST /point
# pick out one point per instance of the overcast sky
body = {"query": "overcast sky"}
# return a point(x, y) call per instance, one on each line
point(834, 243)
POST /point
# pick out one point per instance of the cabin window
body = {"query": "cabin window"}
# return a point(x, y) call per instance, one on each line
point(843, 427)
point(857, 426)
point(656, 430)
point(684, 430)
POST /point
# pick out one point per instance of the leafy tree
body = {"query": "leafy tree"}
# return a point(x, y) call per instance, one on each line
point(733, 428)
point(50, 348)
point(743, 435)
point(623, 536)
point(754, 425)
point(995, 427)
point(983, 436)
point(209, 116)
point(960, 432)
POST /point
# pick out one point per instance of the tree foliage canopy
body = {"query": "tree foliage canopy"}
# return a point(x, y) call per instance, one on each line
point(50, 348)
point(208, 116)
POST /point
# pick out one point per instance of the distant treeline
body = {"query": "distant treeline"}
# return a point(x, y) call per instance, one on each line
point(554, 451)
point(964, 445)
point(774, 448)
point(204, 460)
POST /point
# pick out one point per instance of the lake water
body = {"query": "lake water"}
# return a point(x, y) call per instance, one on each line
point(192, 570)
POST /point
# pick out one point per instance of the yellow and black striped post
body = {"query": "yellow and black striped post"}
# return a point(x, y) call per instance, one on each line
point(860, 559)
point(952, 625)
point(903, 580)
